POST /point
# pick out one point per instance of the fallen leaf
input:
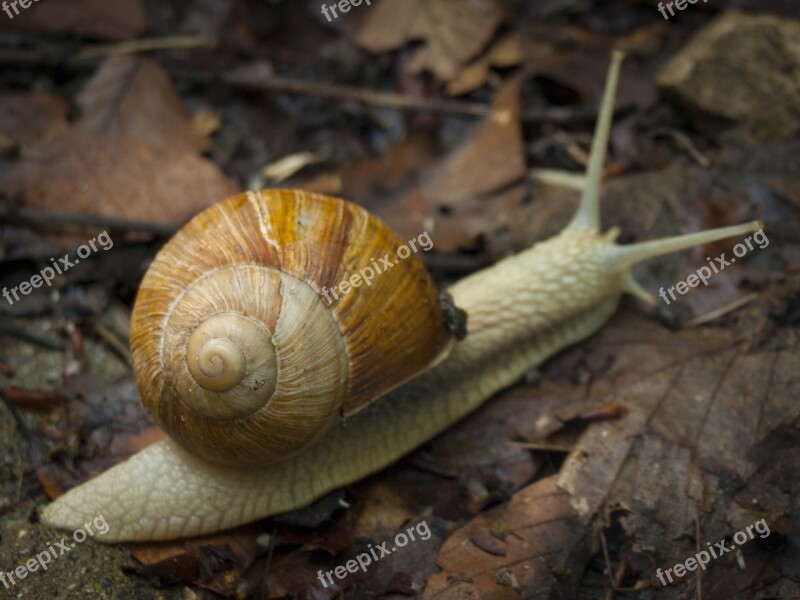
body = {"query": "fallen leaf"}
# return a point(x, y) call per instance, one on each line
point(737, 77)
point(701, 417)
point(505, 52)
point(487, 166)
point(132, 98)
point(542, 556)
point(453, 31)
point(31, 121)
point(122, 19)
point(133, 154)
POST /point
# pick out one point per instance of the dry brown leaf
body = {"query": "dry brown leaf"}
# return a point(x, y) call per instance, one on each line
point(700, 405)
point(133, 154)
point(369, 180)
point(701, 417)
point(505, 52)
point(737, 77)
point(98, 174)
point(582, 74)
point(490, 159)
point(488, 165)
point(382, 512)
point(30, 121)
point(514, 551)
point(215, 562)
point(454, 31)
point(698, 442)
point(118, 20)
point(480, 450)
point(132, 98)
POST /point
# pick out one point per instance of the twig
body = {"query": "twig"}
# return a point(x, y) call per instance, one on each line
point(542, 447)
point(273, 536)
point(87, 59)
point(723, 310)
point(698, 575)
point(17, 332)
point(5, 366)
point(25, 216)
point(683, 141)
point(562, 114)
point(39, 400)
point(23, 428)
point(607, 557)
point(170, 42)
point(110, 338)
point(276, 83)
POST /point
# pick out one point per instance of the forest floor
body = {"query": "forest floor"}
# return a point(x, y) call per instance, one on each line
point(672, 429)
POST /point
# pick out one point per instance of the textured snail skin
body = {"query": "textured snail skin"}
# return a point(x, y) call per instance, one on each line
point(521, 311)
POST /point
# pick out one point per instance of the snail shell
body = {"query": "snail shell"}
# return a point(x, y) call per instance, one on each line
point(238, 355)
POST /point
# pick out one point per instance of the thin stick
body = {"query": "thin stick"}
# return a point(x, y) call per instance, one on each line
point(542, 447)
point(276, 83)
point(12, 330)
point(699, 589)
point(723, 310)
point(23, 428)
point(607, 558)
point(86, 60)
point(685, 142)
point(25, 216)
point(170, 42)
point(117, 346)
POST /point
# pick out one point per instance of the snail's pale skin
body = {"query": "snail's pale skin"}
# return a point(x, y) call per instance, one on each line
point(521, 311)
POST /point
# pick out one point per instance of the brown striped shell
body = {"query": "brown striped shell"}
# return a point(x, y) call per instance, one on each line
point(237, 352)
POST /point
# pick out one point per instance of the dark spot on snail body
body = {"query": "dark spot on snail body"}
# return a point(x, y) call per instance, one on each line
point(454, 318)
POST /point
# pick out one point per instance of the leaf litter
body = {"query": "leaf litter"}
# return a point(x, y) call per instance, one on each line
point(623, 455)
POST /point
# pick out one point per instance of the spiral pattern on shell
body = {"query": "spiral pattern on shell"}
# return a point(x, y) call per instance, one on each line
point(238, 355)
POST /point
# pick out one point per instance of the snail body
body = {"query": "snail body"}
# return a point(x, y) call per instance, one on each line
point(520, 311)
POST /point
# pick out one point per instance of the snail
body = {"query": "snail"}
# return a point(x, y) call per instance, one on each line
point(228, 326)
